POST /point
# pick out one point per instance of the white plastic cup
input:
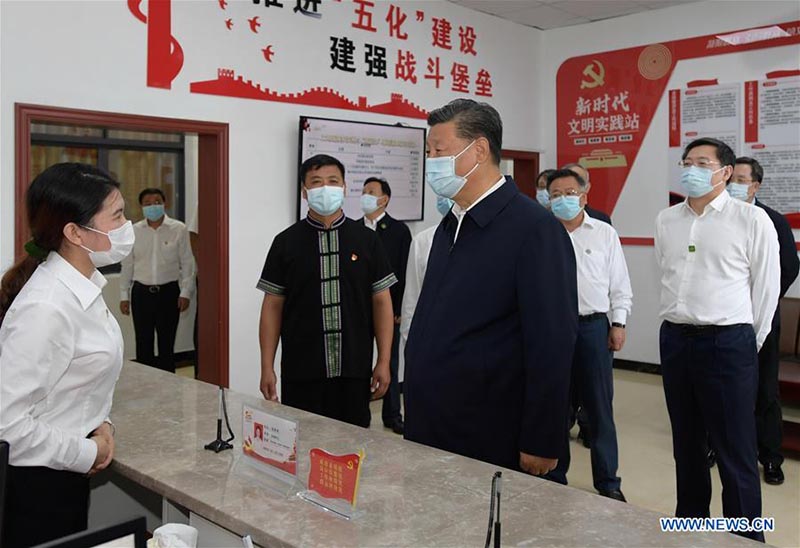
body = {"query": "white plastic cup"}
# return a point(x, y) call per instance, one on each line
point(175, 535)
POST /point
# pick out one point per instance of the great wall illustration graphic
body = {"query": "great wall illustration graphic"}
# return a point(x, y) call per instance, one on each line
point(229, 84)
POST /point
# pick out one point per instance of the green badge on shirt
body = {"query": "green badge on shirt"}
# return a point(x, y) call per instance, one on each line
point(691, 249)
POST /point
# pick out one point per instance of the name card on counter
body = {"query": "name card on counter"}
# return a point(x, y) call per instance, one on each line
point(270, 443)
point(333, 481)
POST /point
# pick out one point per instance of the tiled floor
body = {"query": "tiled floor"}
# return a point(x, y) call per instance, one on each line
point(646, 465)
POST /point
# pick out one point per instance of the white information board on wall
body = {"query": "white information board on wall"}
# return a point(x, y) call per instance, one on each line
point(772, 136)
point(707, 111)
point(395, 153)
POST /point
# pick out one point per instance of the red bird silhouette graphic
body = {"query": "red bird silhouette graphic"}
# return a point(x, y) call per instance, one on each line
point(254, 24)
point(229, 24)
point(222, 4)
point(268, 53)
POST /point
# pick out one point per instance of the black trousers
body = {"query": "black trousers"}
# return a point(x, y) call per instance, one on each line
point(155, 310)
point(710, 381)
point(43, 504)
point(593, 382)
point(342, 399)
point(769, 420)
point(390, 412)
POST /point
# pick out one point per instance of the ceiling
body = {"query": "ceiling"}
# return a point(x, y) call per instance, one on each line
point(551, 14)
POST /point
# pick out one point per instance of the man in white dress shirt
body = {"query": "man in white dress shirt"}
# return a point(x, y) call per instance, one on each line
point(415, 275)
point(720, 280)
point(157, 280)
point(604, 289)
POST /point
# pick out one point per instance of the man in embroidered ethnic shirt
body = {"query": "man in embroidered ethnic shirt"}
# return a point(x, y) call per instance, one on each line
point(326, 280)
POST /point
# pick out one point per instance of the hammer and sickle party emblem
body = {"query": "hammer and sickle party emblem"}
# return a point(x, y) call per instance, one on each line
point(596, 77)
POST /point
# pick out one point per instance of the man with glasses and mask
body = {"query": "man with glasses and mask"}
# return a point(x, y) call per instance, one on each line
point(326, 281)
point(577, 412)
point(490, 346)
point(720, 280)
point(604, 289)
point(583, 173)
point(745, 183)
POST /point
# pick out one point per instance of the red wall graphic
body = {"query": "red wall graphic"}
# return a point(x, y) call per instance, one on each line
point(164, 53)
point(454, 46)
point(228, 84)
point(606, 101)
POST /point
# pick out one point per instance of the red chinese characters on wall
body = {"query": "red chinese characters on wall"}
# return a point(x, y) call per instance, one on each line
point(367, 58)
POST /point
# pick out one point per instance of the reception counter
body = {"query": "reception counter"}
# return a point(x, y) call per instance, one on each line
point(410, 494)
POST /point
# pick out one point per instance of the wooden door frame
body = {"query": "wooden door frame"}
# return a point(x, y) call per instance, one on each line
point(527, 156)
point(212, 185)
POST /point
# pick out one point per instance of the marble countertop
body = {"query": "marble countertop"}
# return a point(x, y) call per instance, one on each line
point(410, 494)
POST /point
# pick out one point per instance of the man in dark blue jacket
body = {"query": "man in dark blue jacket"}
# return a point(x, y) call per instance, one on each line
point(396, 239)
point(490, 348)
point(745, 182)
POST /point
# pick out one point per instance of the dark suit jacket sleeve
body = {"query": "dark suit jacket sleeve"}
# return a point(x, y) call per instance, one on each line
point(790, 263)
point(547, 292)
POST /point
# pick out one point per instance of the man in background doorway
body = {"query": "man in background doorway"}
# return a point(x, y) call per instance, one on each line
point(396, 239)
point(157, 280)
point(194, 240)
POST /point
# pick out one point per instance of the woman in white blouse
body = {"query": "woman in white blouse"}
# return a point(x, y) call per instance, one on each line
point(60, 352)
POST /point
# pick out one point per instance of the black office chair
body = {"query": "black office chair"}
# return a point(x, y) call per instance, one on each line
point(3, 474)
point(132, 534)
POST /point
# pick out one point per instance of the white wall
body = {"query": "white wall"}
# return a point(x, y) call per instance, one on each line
point(91, 55)
point(645, 192)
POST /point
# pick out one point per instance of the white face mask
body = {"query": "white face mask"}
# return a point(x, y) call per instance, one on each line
point(440, 173)
point(122, 240)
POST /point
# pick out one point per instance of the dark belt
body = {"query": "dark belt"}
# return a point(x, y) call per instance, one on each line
point(155, 288)
point(592, 317)
point(698, 330)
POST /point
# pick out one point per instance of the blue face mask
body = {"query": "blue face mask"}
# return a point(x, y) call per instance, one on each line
point(566, 208)
point(696, 181)
point(443, 205)
point(325, 200)
point(153, 212)
point(543, 197)
point(369, 203)
point(739, 191)
point(440, 173)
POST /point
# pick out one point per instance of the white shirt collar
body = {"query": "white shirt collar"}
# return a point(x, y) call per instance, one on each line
point(168, 221)
point(374, 224)
point(459, 212)
point(717, 203)
point(588, 221)
point(85, 289)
